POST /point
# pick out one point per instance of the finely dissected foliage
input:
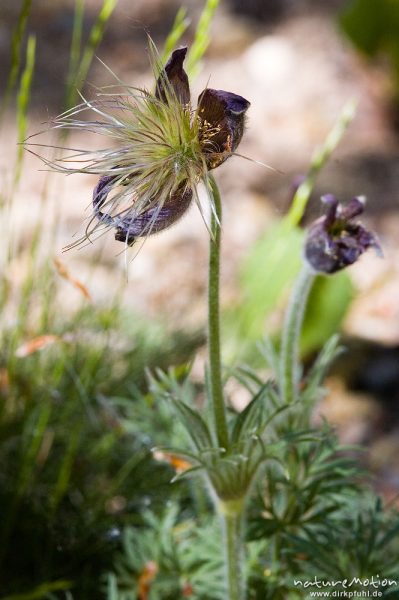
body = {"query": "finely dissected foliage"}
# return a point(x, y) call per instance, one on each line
point(174, 558)
point(310, 497)
point(360, 542)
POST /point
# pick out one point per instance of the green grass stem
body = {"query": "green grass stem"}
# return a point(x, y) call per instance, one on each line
point(76, 79)
point(23, 103)
point(202, 37)
point(16, 51)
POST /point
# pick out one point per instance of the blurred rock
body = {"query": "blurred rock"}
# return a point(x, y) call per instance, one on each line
point(374, 313)
point(354, 415)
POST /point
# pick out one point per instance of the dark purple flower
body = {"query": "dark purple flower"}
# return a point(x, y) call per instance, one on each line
point(180, 146)
point(222, 114)
point(336, 241)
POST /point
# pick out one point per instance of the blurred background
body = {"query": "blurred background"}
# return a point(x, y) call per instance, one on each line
point(80, 328)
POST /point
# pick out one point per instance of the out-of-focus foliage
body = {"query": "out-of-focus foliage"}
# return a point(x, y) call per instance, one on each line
point(201, 39)
point(357, 543)
point(361, 541)
point(170, 559)
point(81, 56)
point(16, 52)
point(328, 302)
point(373, 26)
point(71, 472)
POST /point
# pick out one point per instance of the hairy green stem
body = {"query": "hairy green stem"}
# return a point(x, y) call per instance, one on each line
point(289, 357)
point(230, 512)
point(232, 522)
point(217, 399)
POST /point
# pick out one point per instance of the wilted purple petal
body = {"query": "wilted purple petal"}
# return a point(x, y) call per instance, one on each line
point(176, 76)
point(332, 206)
point(100, 194)
point(223, 118)
point(150, 221)
point(156, 218)
point(353, 209)
point(334, 241)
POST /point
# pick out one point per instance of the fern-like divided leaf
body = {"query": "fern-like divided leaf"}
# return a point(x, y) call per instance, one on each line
point(195, 425)
point(173, 558)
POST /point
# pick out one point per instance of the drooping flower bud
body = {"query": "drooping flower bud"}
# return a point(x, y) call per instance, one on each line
point(335, 241)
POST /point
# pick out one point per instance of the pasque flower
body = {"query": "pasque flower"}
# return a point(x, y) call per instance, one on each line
point(336, 241)
point(180, 149)
point(164, 149)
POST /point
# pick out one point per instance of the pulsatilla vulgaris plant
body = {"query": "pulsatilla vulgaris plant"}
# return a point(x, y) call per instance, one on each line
point(165, 148)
